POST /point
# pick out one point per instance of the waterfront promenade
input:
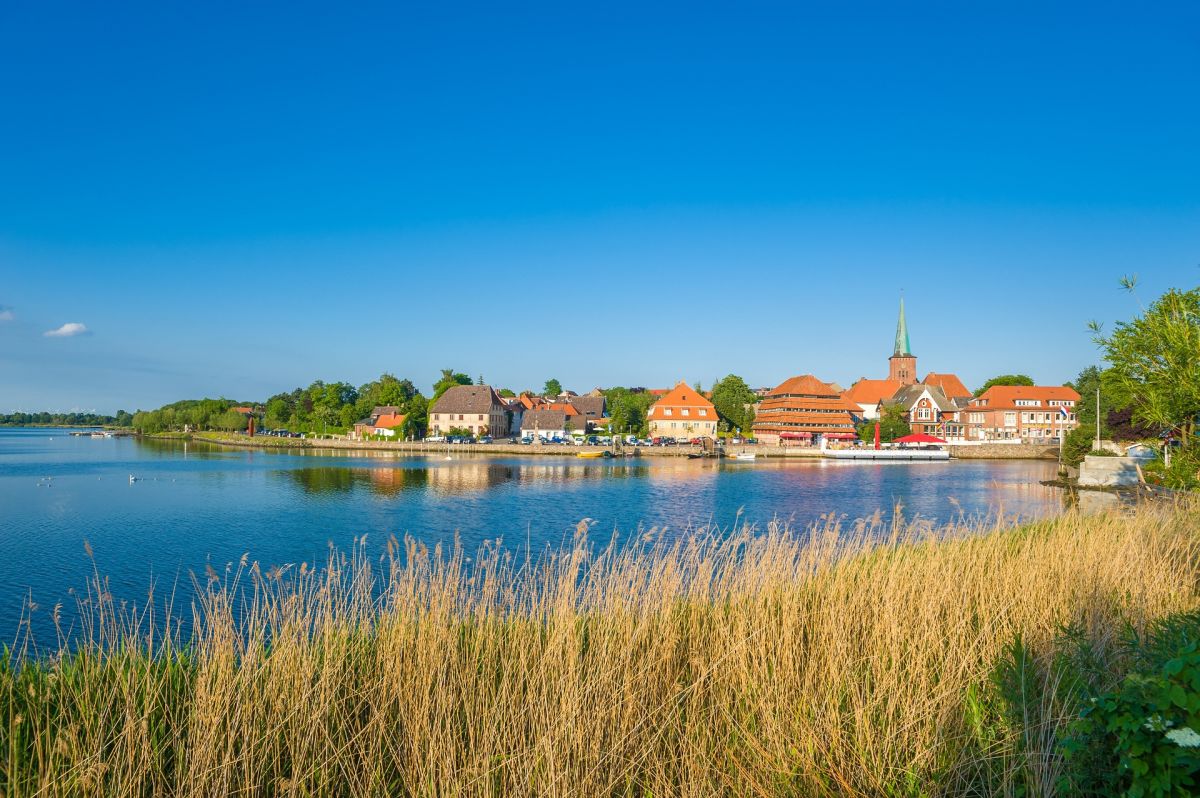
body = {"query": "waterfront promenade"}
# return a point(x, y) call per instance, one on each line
point(994, 451)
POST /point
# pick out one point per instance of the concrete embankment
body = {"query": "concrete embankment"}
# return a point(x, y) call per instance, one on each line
point(965, 452)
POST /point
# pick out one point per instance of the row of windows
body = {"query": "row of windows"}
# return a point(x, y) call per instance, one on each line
point(795, 424)
point(685, 411)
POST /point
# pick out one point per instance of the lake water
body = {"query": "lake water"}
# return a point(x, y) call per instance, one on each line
point(195, 503)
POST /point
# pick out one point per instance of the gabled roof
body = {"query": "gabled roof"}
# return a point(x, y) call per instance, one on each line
point(805, 384)
point(590, 406)
point(682, 395)
point(468, 399)
point(907, 396)
point(950, 384)
point(1006, 396)
point(543, 420)
point(381, 409)
point(389, 420)
point(872, 392)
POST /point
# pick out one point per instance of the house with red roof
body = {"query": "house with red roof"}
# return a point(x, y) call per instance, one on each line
point(682, 412)
point(802, 411)
point(1030, 413)
point(388, 424)
point(869, 394)
point(950, 385)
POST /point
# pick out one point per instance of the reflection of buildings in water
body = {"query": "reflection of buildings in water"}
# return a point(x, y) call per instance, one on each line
point(541, 473)
point(338, 479)
point(390, 481)
point(678, 469)
point(461, 476)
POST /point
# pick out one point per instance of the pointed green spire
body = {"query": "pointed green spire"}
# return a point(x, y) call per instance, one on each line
point(902, 345)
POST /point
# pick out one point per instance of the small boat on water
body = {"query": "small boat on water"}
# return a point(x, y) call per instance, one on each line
point(594, 455)
point(745, 457)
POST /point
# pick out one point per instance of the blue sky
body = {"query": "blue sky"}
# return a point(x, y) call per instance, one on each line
point(236, 200)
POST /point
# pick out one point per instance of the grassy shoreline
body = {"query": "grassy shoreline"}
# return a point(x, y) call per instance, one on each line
point(849, 661)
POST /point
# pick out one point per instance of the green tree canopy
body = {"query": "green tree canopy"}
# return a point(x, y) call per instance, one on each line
point(506, 392)
point(732, 398)
point(1005, 379)
point(448, 380)
point(893, 424)
point(627, 409)
point(1155, 363)
point(552, 388)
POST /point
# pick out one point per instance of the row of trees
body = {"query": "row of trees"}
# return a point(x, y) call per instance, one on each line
point(192, 414)
point(44, 419)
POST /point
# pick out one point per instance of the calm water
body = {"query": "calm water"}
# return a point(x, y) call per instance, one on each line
point(195, 503)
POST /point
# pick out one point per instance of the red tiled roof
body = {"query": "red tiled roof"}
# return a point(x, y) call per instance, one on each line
point(804, 404)
point(682, 395)
point(1006, 396)
point(804, 384)
point(950, 384)
point(389, 421)
point(872, 392)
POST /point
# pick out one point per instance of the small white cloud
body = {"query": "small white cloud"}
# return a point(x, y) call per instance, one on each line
point(68, 330)
point(6, 313)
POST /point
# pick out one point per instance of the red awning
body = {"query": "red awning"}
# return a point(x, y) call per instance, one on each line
point(841, 436)
point(795, 434)
point(919, 437)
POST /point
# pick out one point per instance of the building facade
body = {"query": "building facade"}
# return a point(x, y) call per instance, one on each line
point(802, 411)
point(1033, 414)
point(475, 408)
point(682, 412)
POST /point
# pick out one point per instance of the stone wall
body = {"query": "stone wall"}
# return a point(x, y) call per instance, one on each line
point(1108, 472)
point(1004, 451)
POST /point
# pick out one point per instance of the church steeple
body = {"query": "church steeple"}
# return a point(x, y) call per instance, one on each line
point(902, 345)
point(902, 365)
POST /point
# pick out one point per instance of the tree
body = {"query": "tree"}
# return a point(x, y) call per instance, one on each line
point(552, 388)
point(506, 393)
point(627, 409)
point(893, 424)
point(1155, 363)
point(1005, 379)
point(416, 417)
point(732, 396)
point(230, 420)
point(449, 379)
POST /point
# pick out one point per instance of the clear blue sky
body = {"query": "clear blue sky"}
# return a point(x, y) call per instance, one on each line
point(235, 199)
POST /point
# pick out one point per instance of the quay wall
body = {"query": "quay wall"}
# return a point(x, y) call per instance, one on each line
point(974, 452)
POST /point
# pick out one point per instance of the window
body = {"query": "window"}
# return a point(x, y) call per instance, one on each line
point(1010, 419)
point(686, 412)
point(666, 411)
point(481, 417)
point(923, 413)
point(703, 411)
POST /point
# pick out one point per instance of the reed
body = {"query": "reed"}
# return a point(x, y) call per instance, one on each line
point(836, 660)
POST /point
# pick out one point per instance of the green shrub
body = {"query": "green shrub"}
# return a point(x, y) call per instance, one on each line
point(1141, 735)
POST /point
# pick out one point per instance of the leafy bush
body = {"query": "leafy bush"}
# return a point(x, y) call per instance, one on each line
point(1147, 726)
point(1182, 474)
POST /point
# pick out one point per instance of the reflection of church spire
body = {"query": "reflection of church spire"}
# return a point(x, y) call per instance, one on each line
point(902, 345)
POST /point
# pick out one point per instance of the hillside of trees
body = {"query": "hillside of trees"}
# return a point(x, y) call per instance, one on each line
point(44, 419)
point(320, 408)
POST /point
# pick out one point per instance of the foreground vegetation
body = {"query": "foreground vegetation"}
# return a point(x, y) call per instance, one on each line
point(883, 659)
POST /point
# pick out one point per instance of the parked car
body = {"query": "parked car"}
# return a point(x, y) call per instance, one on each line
point(486, 439)
point(593, 440)
point(526, 440)
point(436, 439)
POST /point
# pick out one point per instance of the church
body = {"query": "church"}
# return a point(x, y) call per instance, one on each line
point(933, 405)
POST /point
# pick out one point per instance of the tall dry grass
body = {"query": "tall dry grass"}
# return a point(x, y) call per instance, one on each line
point(840, 661)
